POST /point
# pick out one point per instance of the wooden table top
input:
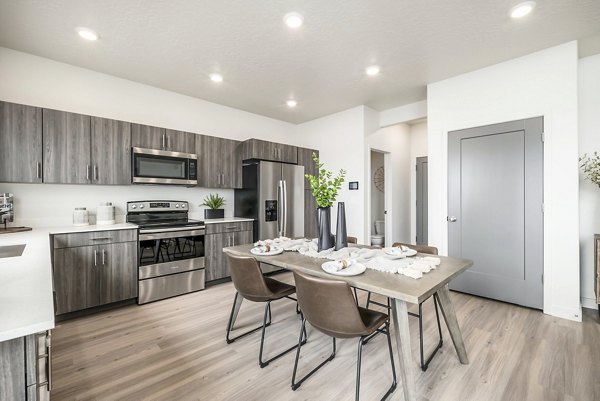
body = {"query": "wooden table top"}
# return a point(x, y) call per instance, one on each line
point(392, 285)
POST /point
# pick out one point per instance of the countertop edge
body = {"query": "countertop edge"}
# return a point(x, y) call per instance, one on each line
point(26, 330)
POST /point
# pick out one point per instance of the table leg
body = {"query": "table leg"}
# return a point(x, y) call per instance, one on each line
point(452, 323)
point(402, 333)
point(236, 309)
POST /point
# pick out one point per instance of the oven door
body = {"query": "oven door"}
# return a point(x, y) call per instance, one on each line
point(152, 166)
point(170, 251)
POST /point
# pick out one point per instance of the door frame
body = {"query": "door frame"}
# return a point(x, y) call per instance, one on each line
point(388, 203)
point(419, 161)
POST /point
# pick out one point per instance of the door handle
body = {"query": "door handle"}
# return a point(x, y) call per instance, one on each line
point(103, 257)
point(452, 219)
point(96, 172)
point(39, 170)
point(279, 209)
point(95, 257)
point(285, 208)
point(87, 172)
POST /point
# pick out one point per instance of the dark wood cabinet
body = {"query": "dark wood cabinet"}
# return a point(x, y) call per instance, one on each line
point(91, 275)
point(180, 141)
point(223, 235)
point(66, 138)
point(310, 215)
point(12, 372)
point(265, 150)
point(20, 143)
point(146, 136)
point(220, 162)
point(110, 151)
point(305, 159)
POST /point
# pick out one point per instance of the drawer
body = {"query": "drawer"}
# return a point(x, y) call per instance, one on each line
point(94, 238)
point(216, 228)
point(164, 269)
point(163, 287)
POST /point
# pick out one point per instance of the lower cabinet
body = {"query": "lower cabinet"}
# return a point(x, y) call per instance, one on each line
point(217, 266)
point(92, 275)
point(25, 371)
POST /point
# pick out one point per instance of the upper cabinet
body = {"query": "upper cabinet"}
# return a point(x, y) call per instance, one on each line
point(219, 161)
point(264, 150)
point(145, 136)
point(20, 143)
point(66, 138)
point(305, 159)
point(111, 151)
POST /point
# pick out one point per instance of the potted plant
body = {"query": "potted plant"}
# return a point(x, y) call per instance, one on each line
point(325, 189)
point(591, 167)
point(215, 204)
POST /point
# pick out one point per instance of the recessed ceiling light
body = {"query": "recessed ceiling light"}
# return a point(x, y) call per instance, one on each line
point(372, 70)
point(87, 34)
point(522, 9)
point(291, 103)
point(216, 77)
point(293, 20)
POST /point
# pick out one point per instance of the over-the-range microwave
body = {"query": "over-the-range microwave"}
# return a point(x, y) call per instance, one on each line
point(153, 166)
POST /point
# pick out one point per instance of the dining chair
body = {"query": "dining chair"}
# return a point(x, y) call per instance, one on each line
point(329, 307)
point(424, 363)
point(250, 284)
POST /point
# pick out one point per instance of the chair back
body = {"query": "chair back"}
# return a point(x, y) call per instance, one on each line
point(329, 306)
point(432, 250)
point(248, 279)
point(352, 240)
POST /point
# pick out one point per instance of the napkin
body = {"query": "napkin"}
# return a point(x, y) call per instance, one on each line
point(343, 264)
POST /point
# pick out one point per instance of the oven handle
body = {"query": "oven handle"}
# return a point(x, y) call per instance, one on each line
point(169, 233)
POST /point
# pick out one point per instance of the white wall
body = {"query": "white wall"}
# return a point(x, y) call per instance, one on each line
point(37, 81)
point(403, 114)
point(418, 148)
point(377, 196)
point(539, 84)
point(589, 194)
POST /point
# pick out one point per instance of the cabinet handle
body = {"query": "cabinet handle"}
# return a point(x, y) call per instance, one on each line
point(96, 172)
point(231, 227)
point(233, 239)
point(87, 172)
point(101, 238)
point(163, 142)
point(103, 257)
point(168, 141)
point(39, 170)
point(95, 257)
point(49, 362)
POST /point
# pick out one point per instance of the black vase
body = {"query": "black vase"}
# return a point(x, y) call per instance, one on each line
point(214, 213)
point(324, 221)
point(341, 234)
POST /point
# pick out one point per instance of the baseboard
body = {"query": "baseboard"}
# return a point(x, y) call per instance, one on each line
point(565, 313)
point(589, 303)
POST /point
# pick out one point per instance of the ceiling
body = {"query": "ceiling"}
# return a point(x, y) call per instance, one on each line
point(175, 44)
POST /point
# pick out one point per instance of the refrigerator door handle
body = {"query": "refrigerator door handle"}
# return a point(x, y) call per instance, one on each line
point(285, 208)
point(279, 208)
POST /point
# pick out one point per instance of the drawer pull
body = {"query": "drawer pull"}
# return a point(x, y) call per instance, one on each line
point(101, 239)
point(231, 227)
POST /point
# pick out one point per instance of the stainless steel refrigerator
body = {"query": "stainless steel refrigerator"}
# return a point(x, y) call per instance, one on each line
point(273, 195)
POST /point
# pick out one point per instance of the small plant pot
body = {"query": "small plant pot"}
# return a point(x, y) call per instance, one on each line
point(214, 213)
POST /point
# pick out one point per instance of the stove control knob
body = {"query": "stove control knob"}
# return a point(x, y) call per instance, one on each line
point(141, 206)
point(133, 206)
point(177, 205)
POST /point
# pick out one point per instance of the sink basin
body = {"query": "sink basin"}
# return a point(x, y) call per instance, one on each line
point(9, 251)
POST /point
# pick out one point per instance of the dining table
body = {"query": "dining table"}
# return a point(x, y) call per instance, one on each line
point(401, 290)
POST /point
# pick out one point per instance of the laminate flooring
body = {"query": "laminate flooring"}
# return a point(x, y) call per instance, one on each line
point(175, 350)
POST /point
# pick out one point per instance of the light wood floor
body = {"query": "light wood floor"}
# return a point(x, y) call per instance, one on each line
point(175, 350)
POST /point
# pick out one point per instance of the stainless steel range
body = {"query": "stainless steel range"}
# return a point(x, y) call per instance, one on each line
point(171, 249)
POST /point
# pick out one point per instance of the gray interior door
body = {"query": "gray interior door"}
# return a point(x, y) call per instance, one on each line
point(495, 210)
point(421, 201)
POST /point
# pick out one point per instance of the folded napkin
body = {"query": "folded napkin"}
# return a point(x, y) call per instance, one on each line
point(342, 264)
point(264, 248)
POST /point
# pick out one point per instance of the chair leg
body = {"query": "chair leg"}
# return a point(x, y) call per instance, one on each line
point(425, 363)
point(358, 364)
point(296, 385)
point(262, 363)
point(368, 300)
point(389, 341)
point(230, 323)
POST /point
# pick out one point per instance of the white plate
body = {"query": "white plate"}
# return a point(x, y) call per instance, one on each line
point(399, 254)
point(275, 250)
point(353, 270)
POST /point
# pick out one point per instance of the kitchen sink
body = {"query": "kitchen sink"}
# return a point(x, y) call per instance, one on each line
point(9, 251)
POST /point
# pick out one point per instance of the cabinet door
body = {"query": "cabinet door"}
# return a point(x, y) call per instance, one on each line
point(310, 215)
point(258, 149)
point(111, 151)
point(179, 141)
point(75, 280)
point(231, 164)
point(305, 159)
point(286, 153)
point(117, 271)
point(209, 164)
point(66, 139)
point(20, 143)
point(12, 370)
point(214, 256)
point(242, 238)
point(145, 136)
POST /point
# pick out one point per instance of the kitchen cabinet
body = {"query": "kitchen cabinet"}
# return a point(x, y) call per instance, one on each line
point(67, 142)
point(265, 150)
point(25, 372)
point(219, 236)
point(305, 159)
point(310, 215)
point(220, 162)
point(110, 151)
point(145, 136)
point(20, 143)
point(90, 275)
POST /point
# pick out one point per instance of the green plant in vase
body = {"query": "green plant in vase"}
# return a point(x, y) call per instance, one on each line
point(325, 188)
point(214, 203)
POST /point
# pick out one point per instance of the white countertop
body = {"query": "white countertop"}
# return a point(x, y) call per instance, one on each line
point(227, 220)
point(90, 228)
